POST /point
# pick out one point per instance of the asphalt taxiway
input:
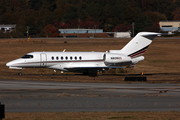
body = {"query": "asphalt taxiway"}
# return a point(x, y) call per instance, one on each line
point(50, 96)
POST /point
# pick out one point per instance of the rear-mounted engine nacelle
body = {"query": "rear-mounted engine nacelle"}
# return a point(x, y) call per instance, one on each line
point(114, 59)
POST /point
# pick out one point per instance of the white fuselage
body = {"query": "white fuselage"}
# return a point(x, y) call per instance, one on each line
point(59, 60)
point(72, 61)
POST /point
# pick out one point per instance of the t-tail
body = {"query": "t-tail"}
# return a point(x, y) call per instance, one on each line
point(137, 46)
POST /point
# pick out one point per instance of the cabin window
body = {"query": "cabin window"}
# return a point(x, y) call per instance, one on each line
point(71, 57)
point(75, 58)
point(27, 56)
point(61, 58)
point(80, 58)
point(52, 58)
point(57, 58)
point(66, 58)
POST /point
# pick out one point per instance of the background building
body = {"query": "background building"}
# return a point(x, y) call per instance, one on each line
point(7, 28)
point(82, 33)
point(62, 31)
point(170, 26)
point(122, 34)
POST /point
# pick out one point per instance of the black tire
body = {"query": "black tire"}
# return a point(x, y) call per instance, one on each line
point(19, 73)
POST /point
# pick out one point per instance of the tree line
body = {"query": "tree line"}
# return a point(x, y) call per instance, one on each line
point(44, 17)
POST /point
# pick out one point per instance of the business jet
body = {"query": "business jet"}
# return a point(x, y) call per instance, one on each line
point(88, 62)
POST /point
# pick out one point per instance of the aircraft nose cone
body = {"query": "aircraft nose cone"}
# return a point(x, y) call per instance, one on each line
point(9, 64)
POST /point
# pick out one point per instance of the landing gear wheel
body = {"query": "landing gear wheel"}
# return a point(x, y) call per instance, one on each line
point(19, 73)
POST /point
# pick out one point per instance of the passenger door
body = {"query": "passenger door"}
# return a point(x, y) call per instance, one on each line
point(43, 59)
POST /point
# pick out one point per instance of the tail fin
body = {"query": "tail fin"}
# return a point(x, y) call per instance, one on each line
point(138, 45)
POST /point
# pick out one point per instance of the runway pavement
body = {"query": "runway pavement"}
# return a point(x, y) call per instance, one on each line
point(49, 96)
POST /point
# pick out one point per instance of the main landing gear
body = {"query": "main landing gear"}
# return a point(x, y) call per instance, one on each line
point(19, 72)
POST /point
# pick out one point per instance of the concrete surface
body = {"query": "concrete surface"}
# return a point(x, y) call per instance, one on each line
point(49, 96)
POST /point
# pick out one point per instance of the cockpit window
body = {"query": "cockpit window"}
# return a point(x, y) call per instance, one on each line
point(27, 56)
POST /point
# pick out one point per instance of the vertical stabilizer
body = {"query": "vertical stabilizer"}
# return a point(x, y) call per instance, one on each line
point(138, 45)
